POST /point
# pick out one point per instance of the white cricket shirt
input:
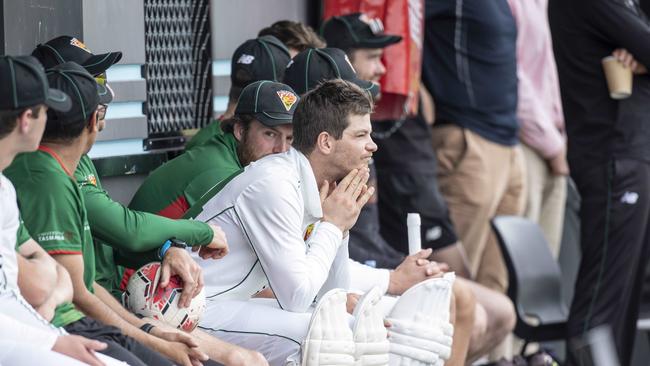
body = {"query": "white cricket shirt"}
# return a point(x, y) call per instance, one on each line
point(271, 215)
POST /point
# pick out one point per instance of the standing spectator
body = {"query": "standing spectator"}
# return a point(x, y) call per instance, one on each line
point(609, 156)
point(470, 69)
point(539, 112)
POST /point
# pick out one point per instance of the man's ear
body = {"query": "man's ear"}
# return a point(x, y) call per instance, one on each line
point(325, 143)
point(238, 131)
point(93, 126)
point(25, 120)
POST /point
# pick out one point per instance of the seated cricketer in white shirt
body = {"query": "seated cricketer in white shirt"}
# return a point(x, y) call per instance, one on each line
point(288, 235)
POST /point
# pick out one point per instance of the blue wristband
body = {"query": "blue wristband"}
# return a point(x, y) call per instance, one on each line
point(163, 250)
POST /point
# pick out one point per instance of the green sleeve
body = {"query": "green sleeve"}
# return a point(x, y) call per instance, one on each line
point(129, 259)
point(137, 231)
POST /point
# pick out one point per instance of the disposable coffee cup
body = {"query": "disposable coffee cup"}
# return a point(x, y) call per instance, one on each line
point(619, 78)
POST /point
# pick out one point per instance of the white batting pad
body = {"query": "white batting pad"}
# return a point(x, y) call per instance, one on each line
point(329, 339)
point(421, 334)
point(369, 332)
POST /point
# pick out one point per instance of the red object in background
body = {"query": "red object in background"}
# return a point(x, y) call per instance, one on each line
point(403, 61)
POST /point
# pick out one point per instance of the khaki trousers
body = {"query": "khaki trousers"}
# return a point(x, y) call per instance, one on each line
point(545, 198)
point(479, 179)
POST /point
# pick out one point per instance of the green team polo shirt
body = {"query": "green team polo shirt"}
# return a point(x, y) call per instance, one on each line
point(125, 237)
point(204, 135)
point(54, 214)
point(175, 186)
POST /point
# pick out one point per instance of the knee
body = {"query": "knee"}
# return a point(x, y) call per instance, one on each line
point(480, 328)
point(504, 318)
point(465, 301)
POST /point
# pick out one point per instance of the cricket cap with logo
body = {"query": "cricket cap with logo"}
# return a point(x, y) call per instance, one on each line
point(262, 58)
point(315, 65)
point(271, 103)
point(65, 48)
point(86, 94)
point(356, 30)
point(23, 84)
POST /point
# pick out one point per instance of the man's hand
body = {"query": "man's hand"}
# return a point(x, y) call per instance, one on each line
point(243, 357)
point(628, 60)
point(178, 262)
point(181, 354)
point(174, 335)
point(218, 247)
point(558, 164)
point(79, 348)
point(414, 269)
point(352, 301)
point(343, 204)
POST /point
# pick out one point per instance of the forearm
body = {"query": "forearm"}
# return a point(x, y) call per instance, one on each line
point(114, 305)
point(623, 26)
point(95, 308)
point(136, 231)
point(215, 348)
point(339, 274)
point(363, 278)
point(543, 137)
point(135, 260)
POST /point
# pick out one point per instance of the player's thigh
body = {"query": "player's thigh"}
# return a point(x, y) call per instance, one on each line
point(261, 316)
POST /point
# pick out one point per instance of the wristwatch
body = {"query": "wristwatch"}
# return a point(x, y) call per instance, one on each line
point(173, 242)
point(178, 243)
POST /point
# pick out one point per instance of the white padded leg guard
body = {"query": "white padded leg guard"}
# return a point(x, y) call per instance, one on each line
point(369, 332)
point(329, 339)
point(421, 333)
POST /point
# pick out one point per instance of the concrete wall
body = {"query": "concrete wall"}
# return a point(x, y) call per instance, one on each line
point(26, 23)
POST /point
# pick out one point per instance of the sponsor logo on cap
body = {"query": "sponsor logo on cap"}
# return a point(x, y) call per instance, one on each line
point(375, 24)
point(246, 59)
point(288, 99)
point(77, 43)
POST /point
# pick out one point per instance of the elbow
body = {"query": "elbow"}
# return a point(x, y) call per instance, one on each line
point(297, 301)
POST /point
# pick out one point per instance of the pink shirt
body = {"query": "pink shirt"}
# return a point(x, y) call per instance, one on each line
point(539, 110)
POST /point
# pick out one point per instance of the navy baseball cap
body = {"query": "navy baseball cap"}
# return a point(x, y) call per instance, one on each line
point(65, 48)
point(356, 30)
point(23, 84)
point(262, 58)
point(315, 65)
point(85, 93)
point(269, 102)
